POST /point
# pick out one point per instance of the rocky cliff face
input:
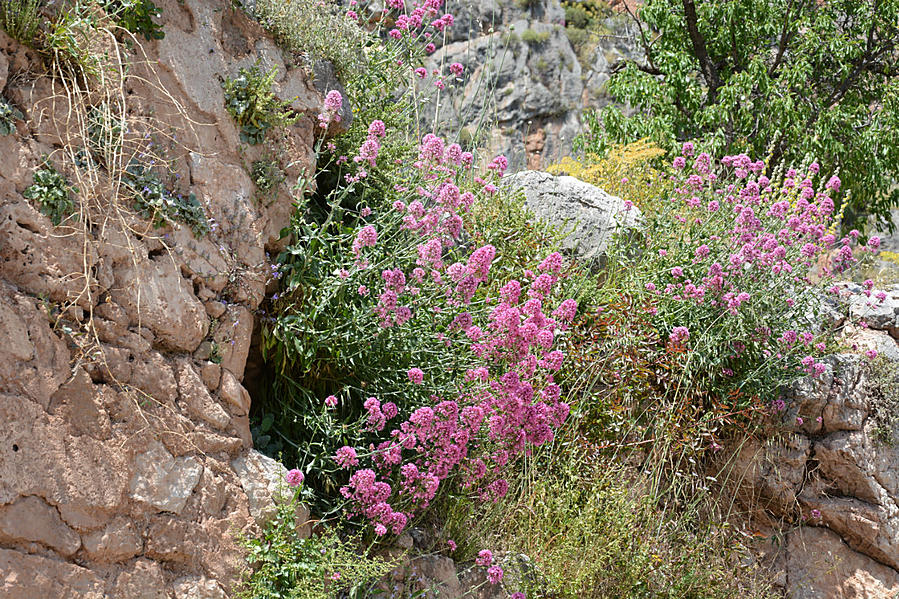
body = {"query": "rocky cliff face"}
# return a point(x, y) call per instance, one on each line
point(126, 467)
point(525, 84)
point(826, 492)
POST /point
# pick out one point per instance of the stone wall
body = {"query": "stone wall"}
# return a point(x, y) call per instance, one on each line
point(126, 467)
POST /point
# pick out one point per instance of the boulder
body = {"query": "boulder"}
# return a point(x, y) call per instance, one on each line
point(589, 215)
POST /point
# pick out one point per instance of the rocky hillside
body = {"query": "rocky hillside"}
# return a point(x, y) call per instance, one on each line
point(529, 78)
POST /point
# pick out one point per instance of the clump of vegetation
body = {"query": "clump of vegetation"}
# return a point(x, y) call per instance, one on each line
point(884, 386)
point(136, 16)
point(768, 78)
point(632, 171)
point(534, 37)
point(67, 44)
point(255, 108)
point(592, 529)
point(283, 565)
point(8, 116)
point(52, 192)
point(21, 19)
point(163, 207)
point(315, 30)
point(266, 174)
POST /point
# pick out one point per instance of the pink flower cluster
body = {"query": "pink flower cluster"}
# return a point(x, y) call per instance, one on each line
point(331, 111)
point(510, 404)
point(756, 239)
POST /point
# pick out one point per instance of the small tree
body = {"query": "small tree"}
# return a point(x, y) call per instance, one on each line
point(798, 79)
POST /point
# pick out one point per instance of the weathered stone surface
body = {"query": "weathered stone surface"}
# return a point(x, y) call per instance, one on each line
point(143, 580)
point(541, 87)
point(156, 296)
point(163, 481)
point(198, 587)
point(25, 576)
point(589, 214)
point(234, 394)
point(33, 360)
point(38, 259)
point(31, 520)
point(262, 479)
point(32, 447)
point(435, 575)
point(78, 403)
point(774, 471)
point(117, 541)
point(108, 421)
point(878, 315)
point(195, 395)
point(821, 566)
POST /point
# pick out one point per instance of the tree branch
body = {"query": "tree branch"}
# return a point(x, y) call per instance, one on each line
point(709, 72)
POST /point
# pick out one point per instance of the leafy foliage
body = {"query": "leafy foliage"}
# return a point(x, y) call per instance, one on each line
point(250, 100)
point(154, 201)
point(282, 565)
point(796, 80)
point(136, 16)
point(51, 190)
point(21, 19)
point(67, 43)
point(8, 116)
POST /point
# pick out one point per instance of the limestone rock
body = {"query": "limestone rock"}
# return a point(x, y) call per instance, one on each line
point(144, 580)
point(262, 479)
point(436, 575)
point(195, 395)
point(31, 520)
point(117, 541)
point(591, 215)
point(163, 481)
point(198, 587)
point(821, 566)
point(234, 393)
point(32, 447)
point(155, 295)
point(25, 576)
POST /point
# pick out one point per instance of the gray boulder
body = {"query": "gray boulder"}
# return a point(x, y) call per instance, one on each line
point(588, 215)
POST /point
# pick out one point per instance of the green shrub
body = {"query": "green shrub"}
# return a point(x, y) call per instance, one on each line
point(315, 29)
point(52, 192)
point(576, 16)
point(250, 100)
point(67, 44)
point(884, 390)
point(578, 37)
point(530, 36)
point(155, 202)
point(266, 174)
point(21, 19)
point(281, 565)
point(136, 16)
point(8, 115)
point(527, 4)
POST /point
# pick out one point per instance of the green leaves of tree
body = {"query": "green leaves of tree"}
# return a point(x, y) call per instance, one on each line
point(788, 80)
